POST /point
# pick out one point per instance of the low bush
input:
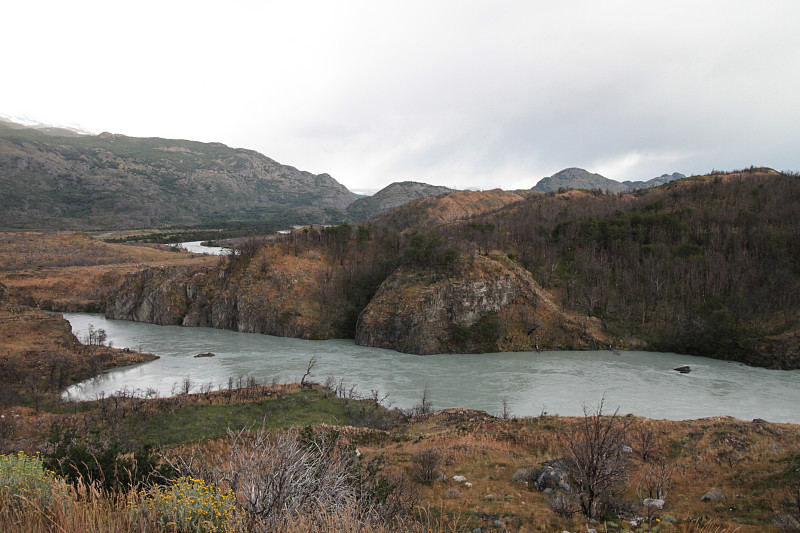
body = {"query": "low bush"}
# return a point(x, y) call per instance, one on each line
point(24, 483)
point(191, 505)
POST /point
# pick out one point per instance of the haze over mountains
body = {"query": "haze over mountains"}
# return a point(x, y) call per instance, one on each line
point(60, 178)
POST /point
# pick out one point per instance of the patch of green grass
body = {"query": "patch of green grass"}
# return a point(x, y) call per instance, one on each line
point(194, 422)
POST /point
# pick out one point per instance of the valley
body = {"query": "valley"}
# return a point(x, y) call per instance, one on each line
point(704, 265)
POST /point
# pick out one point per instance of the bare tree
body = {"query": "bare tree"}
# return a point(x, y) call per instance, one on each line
point(656, 481)
point(506, 412)
point(599, 463)
point(311, 364)
point(645, 441)
point(186, 385)
point(424, 406)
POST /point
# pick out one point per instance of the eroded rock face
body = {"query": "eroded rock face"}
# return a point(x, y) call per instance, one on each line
point(493, 305)
point(487, 304)
point(153, 295)
point(212, 298)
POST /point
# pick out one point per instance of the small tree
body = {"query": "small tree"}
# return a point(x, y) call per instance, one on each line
point(424, 406)
point(311, 364)
point(594, 447)
point(425, 465)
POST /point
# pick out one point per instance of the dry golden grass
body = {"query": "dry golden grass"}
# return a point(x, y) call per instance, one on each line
point(69, 271)
point(488, 451)
point(743, 460)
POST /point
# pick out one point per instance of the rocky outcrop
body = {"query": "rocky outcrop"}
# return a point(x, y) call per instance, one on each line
point(153, 295)
point(220, 298)
point(494, 305)
point(488, 304)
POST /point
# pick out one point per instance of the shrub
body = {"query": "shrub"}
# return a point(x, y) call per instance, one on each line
point(25, 482)
point(192, 506)
point(787, 519)
point(105, 461)
point(526, 475)
point(278, 477)
point(425, 465)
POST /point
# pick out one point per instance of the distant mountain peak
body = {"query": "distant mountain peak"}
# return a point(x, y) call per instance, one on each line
point(654, 182)
point(51, 128)
point(578, 178)
point(393, 195)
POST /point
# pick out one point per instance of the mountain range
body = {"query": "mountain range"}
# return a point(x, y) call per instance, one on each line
point(60, 178)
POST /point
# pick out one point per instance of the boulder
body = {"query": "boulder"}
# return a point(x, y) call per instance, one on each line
point(714, 496)
point(655, 503)
point(683, 369)
point(554, 475)
point(207, 354)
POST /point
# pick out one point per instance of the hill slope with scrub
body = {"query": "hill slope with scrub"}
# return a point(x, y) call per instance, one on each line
point(115, 181)
point(706, 265)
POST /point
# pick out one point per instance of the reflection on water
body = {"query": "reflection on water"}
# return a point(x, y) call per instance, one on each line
point(642, 383)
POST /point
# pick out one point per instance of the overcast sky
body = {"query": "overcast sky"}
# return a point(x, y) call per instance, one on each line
point(462, 93)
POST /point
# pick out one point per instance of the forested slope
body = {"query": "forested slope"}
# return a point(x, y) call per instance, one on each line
point(708, 265)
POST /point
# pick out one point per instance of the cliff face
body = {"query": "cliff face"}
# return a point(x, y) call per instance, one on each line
point(494, 306)
point(238, 298)
point(488, 304)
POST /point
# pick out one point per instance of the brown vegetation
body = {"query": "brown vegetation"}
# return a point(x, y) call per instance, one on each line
point(69, 271)
point(749, 467)
point(39, 355)
point(704, 266)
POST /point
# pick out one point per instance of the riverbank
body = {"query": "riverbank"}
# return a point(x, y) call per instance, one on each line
point(41, 356)
point(467, 468)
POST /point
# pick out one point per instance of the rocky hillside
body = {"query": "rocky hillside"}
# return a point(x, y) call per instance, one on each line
point(654, 182)
point(494, 305)
point(391, 196)
point(114, 181)
point(577, 178)
point(706, 265)
point(435, 211)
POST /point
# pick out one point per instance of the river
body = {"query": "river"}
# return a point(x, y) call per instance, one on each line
point(641, 383)
point(197, 248)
